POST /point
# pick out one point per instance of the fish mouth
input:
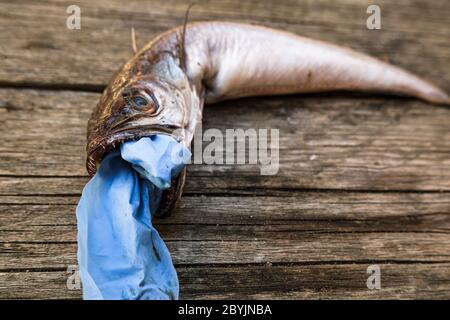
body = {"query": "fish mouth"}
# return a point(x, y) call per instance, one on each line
point(100, 145)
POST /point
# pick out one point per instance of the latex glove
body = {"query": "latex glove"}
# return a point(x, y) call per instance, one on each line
point(120, 253)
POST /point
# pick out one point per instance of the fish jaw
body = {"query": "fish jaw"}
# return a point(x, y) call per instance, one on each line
point(99, 147)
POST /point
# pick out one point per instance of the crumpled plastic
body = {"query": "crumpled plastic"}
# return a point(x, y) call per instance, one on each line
point(120, 253)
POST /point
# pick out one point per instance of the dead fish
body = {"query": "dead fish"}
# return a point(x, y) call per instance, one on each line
point(163, 87)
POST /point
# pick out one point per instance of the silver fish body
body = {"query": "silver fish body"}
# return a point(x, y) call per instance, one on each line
point(163, 88)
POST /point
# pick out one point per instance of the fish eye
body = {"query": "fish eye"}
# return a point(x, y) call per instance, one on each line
point(139, 101)
point(142, 101)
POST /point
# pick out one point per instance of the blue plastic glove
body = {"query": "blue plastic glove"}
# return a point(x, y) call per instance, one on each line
point(120, 253)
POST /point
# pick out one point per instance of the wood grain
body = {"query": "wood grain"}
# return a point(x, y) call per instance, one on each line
point(324, 281)
point(41, 51)
point(363, 179)
point(288, 215)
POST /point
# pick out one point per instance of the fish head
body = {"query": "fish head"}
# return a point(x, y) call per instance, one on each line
point(143, 99)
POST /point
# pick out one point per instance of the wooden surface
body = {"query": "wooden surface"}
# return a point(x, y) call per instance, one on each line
point(363, 179)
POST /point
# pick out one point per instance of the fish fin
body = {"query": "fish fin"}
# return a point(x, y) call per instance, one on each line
point(133, 40)
point(182, 41)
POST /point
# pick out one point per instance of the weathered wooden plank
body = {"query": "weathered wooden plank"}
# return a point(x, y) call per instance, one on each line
point(306, 247)
point(315, 282)
point(332, 143)
point(327, 281)
point(297, 223)
point(289, 216)
point(41, 50)
point(296, 231)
